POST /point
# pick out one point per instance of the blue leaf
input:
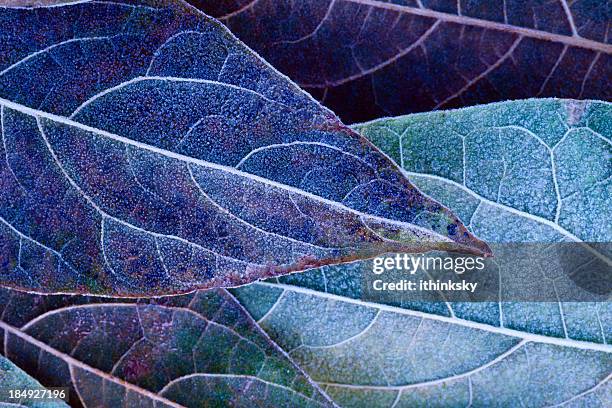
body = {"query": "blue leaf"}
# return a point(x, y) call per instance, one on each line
point(147, 152)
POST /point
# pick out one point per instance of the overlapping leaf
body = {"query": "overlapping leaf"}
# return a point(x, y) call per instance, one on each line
point(522, 213)
point(457, 354)
point(146, 151)
point(540, 168)
point(191, 350)
point(371, 58)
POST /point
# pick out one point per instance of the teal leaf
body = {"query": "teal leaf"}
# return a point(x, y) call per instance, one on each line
point(451, 354)
point(194, 350)
point(146, 152)
point(13, 378)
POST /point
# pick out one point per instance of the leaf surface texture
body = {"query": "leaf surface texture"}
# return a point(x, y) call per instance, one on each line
point(148, 152)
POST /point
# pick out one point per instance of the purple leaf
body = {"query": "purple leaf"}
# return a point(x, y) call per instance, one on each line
point(183, 351)
point(146, 151)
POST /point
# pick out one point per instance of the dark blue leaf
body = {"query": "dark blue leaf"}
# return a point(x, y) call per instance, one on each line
point(146, 151)
point(370, 58)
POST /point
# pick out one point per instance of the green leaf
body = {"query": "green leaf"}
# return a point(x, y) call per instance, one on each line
point(183, 351)
point(13, 378)
point(454, 354)
point(556, 154)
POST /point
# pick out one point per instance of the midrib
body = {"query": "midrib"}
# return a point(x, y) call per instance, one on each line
point(492, 25)
point(531, 337)
point(224, 168)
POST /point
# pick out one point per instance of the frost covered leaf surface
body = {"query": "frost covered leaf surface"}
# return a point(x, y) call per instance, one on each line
point(13, 378)
point(146, 151)
point(401, 56)
point(184, 351)
point(454, 354)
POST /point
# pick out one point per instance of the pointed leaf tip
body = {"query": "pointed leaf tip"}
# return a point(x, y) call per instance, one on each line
point(169, 157)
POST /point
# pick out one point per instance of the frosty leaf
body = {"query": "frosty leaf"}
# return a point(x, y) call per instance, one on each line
point(371, 58)
point(12, 378)
point(376, 355)
point(181, 351)
point(451, 354)
point(146, 151)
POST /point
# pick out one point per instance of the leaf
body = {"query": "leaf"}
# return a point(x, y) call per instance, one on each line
point(453, 354)
point(371, 58)
point(556, 187)
point(12, 378)
point(191, 350)
point(520, 214)
point(148, 152)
